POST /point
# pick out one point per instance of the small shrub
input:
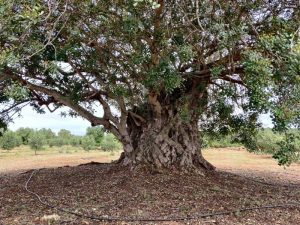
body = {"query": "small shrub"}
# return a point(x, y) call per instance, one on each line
point(110, 143)
point(97, 133)
point(36, 142)
point(75, 141)
point(65, 135)
point(88, 143)
point(219, 142)
point(56, 142)
point(48, 134)
point(10, 140)
point(25, 134)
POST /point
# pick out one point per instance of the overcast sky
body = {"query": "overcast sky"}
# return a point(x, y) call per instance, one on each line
point(54, 121)
point(77, 126)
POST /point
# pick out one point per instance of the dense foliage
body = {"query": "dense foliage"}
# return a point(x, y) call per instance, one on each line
point(88, 143)
point(156, 68)
point(10, 140)
point(97, 133)
point(110, 143)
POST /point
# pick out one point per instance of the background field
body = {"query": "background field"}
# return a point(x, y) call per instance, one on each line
point(23, 158)
point(70, 150)
point(236, 159)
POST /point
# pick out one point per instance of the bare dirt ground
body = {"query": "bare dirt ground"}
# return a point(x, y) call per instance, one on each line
point(263, 167)
point(242, 180)
point(23, 159)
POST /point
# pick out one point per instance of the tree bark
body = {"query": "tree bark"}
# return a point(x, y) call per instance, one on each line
point(175, 145)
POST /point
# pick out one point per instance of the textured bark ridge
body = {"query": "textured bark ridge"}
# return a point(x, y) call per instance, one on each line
point(167, 144)
point(164, 133)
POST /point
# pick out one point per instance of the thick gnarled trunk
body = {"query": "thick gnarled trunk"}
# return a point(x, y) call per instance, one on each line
point(168, 135)
point(172, 145)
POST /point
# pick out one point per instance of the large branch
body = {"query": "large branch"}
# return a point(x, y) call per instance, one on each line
point(67, 102)
point(232, 80)
point(95, 121)
point(61, 99)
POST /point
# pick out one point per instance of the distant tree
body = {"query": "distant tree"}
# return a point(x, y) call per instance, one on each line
point(47, 133)
point(10, 140)
point(51, 142)
point(110, 143)
point(36, 142)
point(57, 142)
point(88, 143)
point(75, 141)
point(24, 134)
point(65, 135)
point(97, 133)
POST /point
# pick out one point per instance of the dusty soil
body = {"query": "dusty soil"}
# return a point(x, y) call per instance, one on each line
point(262, 167)
point(22, 159)
point(106, 190)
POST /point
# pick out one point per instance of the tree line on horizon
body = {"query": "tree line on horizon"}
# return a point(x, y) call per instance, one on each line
point(94, 138)
point(268, 142)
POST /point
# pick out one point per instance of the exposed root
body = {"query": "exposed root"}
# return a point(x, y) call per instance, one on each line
point(152, 168)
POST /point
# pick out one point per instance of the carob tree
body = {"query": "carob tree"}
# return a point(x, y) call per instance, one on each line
point(162, 71)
